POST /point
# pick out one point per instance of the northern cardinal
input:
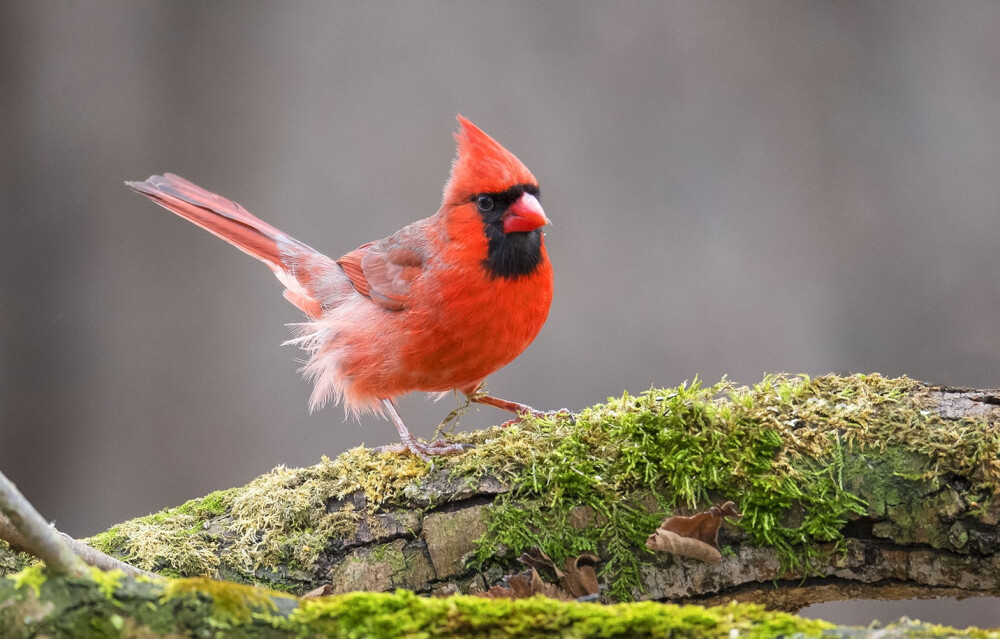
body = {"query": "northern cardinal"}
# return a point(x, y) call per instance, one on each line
point(435, 307)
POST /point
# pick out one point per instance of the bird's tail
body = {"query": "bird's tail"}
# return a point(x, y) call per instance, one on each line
point(296, 265)
point(214, 213)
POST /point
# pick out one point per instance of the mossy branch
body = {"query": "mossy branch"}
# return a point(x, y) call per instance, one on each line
point(36, 604)
point(850, 486)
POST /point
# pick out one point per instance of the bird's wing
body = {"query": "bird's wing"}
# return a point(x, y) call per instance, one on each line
point(383, 271)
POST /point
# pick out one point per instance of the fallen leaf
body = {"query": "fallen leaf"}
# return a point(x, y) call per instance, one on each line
point(520, 583)
point(577, 579)
point(526, 584)
point(551, 591)
point(696, 536)
point(580, 578)
point(323, 591)
point(535, 558)
point(666, 541)
point(497, 592)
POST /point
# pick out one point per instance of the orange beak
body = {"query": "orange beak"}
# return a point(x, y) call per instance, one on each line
point(524, 215)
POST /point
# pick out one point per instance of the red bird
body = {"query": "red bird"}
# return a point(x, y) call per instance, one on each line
point(435, 307)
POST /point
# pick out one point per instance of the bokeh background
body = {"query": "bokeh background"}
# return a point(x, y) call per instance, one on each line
point(736, 187)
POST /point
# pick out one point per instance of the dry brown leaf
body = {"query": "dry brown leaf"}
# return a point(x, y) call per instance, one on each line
point(497, 592)
point(323, 591)
point(551, 591)
point(696, 536)
point(666, 541)
point(535, 558)
point(579, 579)
point(526, 584)
point(517, 586)
point(520, 584)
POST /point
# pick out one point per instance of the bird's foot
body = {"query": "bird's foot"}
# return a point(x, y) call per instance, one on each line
point(409, 443)
point(426, 452)
point(521, 410)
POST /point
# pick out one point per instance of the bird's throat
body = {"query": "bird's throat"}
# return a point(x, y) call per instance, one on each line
point(513, 255)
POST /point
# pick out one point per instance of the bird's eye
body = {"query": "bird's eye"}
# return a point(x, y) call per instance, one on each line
point(485, 203)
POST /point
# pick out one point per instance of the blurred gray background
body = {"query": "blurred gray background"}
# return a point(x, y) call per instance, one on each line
point(736, 187)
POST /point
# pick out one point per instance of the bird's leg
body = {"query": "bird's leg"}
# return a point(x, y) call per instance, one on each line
point(410, 443)
point(480, 397)
point(503, 404)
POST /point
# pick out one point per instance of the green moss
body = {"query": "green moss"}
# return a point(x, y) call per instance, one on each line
point(279, 519)
point(169, 543)
point(201, 607)
point(107, 581)
point(403, 614)
point(31, 577)
point(174, 542)
point(232, 604)
point(67, 607)
point(777, 449)
point(282, 516)
point(634, 459)
point(212, 504)
point(106, 540)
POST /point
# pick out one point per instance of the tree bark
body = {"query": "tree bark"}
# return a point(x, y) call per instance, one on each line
point(916, 465)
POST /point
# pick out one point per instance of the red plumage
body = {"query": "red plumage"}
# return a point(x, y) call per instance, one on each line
point(437, 306)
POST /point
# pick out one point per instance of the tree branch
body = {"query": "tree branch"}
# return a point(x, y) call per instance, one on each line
point(18, 541)
point(24, 527)
point(49, 606)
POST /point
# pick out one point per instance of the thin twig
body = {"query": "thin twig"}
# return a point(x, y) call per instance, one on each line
point(98, 559)
point(36, 536)
point(89, 555)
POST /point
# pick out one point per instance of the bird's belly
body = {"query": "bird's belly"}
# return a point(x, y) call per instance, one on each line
point(451, 345)
point(461, 354)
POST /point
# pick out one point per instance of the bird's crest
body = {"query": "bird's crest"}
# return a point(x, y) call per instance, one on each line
point(482, 166)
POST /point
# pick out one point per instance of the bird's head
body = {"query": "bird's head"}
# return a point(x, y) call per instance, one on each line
point(488, 181)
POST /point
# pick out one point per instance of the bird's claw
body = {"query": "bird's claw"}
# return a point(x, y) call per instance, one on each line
point(426, 452)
